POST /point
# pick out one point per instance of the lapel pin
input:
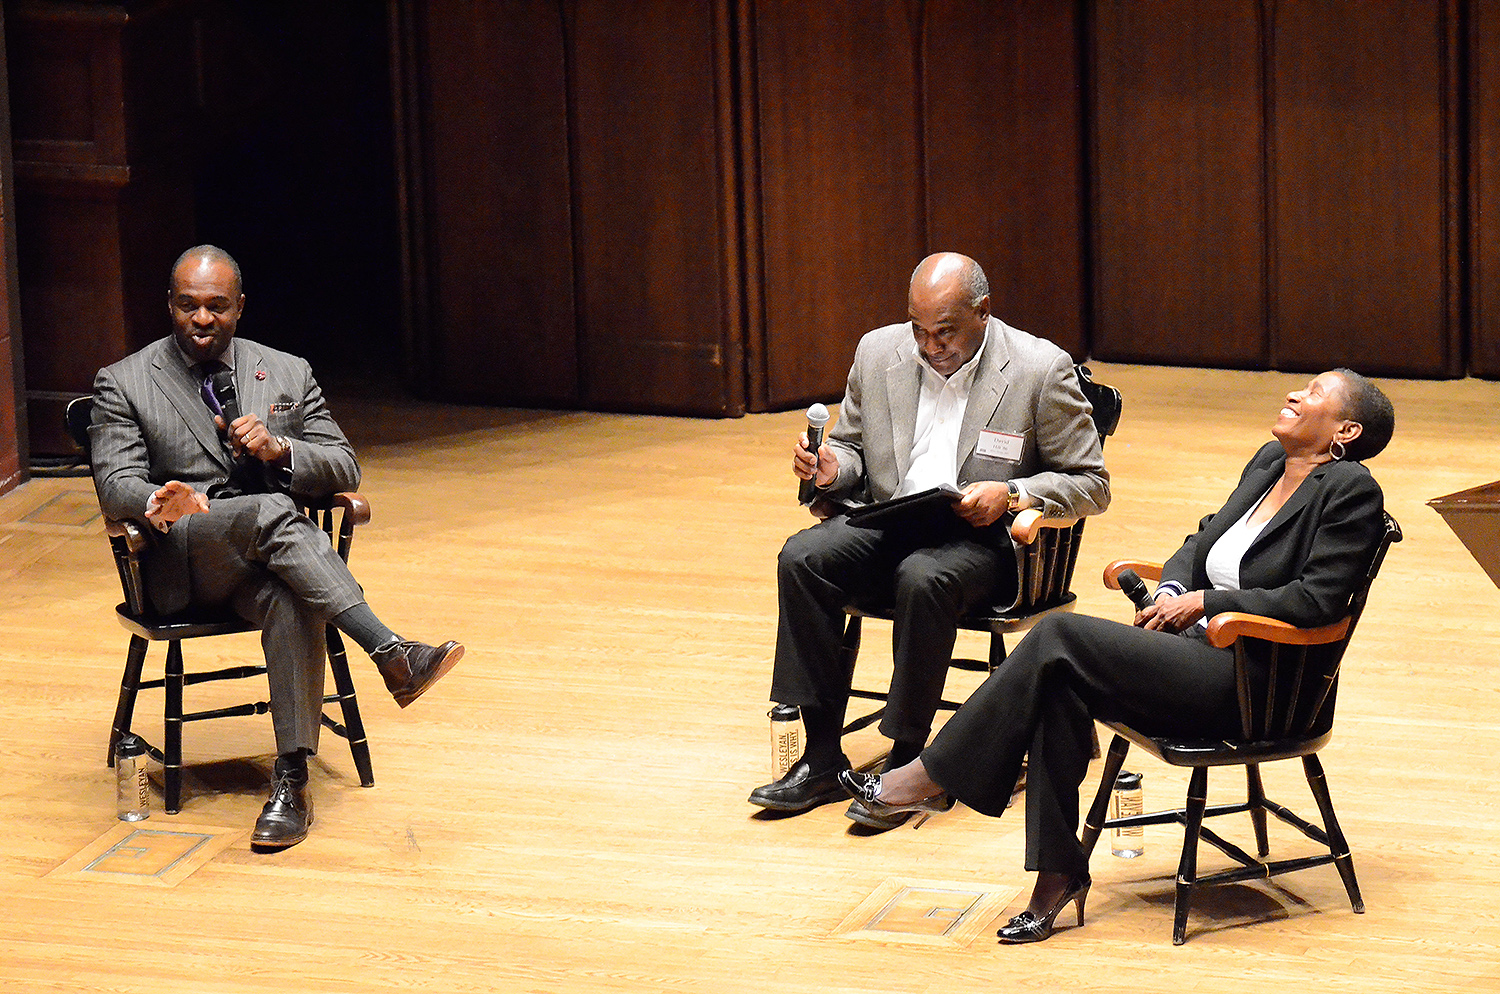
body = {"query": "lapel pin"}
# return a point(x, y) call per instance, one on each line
point(260, 374)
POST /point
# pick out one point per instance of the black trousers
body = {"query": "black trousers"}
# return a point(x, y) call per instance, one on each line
point(930, 574)
point(1067, 671)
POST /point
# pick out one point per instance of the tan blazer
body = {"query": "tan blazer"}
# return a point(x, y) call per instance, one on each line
point(1024, 386)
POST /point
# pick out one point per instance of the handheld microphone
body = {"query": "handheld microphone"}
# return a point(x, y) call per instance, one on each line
point(817, 420)
point(229, 398)
point(1132, 586)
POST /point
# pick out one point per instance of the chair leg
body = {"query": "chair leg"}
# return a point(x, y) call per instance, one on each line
point(849, 650)
point(172, 729)
point(1255, 793)
point(1093, 825)
point(354, 726)
point(130, 685)
point(1317, 782)
point(1187, 869)
point(997, 650)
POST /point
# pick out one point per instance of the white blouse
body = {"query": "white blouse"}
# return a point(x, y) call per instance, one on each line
point(1225, 556)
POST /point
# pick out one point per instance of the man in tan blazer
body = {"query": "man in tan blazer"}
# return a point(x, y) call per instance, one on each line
point(952, 396)
point(216, 487)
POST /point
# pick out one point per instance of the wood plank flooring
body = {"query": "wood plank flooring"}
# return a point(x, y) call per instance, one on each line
point(566, 811)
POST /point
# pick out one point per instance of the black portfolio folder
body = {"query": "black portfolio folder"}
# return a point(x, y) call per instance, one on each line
point(903, 510)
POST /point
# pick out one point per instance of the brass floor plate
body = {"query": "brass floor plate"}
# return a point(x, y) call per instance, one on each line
point(927, 912)
point(70, 509)
point(160, 855)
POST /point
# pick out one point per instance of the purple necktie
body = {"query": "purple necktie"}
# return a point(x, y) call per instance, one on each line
point(208, 369)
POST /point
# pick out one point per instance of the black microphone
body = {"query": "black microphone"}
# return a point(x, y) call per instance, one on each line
point(1132, 586)
point(817, 420)
point(229, 398)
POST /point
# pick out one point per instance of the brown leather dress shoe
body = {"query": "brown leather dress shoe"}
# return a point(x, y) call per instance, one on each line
point(285, 818)
point(409, 668)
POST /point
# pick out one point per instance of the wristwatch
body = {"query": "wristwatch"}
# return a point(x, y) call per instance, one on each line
point(1012, 496)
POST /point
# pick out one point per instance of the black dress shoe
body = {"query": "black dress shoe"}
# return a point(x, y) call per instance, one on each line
point(285, 818)
point(409, 668)
point(869, 810)
point(1027, 927)
point(801, 789)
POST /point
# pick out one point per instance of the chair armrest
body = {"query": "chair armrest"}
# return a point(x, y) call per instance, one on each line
point(351, 503)
point(1224, 629)
point(129, 532)
point(1145, 569)
point(130, 541)
point(354, 505)
point(1028, 525)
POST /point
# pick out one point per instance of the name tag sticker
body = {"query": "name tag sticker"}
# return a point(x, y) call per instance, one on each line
point(1000, 445)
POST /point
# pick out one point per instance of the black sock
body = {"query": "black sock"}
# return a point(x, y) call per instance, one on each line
point(360, 624)
point(901, 754)
point(292, 764)
point(825, 733)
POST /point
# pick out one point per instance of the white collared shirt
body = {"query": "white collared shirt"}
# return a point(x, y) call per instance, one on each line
point(940, 415)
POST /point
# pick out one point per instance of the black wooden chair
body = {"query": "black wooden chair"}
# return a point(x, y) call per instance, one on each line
point(337, 515)
point(1289, 716)
point(1046, 550)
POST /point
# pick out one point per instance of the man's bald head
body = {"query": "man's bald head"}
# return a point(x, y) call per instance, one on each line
point(949, 307)
point(197, 256)
point(950, 270)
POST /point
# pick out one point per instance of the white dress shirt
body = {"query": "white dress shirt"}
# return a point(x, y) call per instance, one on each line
point(940, 415)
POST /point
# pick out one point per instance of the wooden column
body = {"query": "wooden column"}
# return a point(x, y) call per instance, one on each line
point(14, 449)
point(103, 187)
point(1484, 187)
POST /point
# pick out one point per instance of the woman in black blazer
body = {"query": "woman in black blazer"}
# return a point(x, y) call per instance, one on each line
point(1293, 542)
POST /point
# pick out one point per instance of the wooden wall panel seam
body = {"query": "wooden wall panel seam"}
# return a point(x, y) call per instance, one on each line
point(757, 375)
point(1270, 259)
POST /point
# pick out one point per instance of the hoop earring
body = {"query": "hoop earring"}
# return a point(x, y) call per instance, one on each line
point(1336, 450)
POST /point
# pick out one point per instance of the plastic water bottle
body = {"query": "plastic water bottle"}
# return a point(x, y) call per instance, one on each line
point(786, 739)
point(1127, 800)
point(132, 792)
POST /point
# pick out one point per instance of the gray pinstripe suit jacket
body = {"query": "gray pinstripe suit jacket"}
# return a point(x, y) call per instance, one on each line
point(150, 425)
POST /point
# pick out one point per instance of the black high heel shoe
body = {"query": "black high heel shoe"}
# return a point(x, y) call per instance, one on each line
point(865, 788)
point(1027, 927)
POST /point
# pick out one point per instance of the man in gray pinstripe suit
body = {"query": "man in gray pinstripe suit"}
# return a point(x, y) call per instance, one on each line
point(231, 536)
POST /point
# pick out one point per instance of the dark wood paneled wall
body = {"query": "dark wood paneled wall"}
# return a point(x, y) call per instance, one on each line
point(1484, 191)
point(1367, 198)
point(573, 173)
point(1232, 183)
point(1180, 184)
point(699, 207)
point(1003, 155)
point(749, 184)
point(101, 97)
point(841, 210)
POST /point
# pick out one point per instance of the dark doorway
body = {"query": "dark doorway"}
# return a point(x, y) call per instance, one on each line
point(296, 178)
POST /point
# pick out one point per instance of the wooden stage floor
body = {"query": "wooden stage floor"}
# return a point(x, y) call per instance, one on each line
point(566, 812)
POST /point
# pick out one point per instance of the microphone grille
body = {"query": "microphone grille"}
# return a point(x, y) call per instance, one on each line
point(817, 415)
